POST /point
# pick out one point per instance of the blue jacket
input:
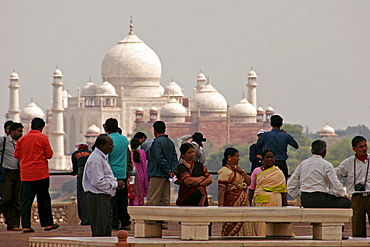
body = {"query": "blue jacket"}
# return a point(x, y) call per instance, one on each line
point(162, 157)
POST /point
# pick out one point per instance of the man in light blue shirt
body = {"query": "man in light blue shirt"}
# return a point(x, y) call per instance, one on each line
point(118, 159)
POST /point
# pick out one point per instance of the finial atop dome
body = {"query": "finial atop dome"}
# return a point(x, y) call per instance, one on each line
point(131, 25)
point(208, 80)
point(243, 95)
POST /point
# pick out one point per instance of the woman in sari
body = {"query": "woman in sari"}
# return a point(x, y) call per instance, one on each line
point(232, 191)
point(193, 178)
point(140, 186)
point(268, 186)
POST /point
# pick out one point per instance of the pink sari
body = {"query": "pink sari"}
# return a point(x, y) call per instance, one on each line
point(140, 187)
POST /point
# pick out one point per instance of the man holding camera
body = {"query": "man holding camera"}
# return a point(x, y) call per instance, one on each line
point(356, 169)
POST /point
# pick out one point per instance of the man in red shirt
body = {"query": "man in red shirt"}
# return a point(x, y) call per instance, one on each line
point(33, 151)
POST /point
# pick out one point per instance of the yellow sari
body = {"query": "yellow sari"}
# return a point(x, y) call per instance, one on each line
point(270, 183)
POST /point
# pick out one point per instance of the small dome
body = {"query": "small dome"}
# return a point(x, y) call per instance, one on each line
point(173, 89)
point(139, 109)
point(57, 73)
point(31, 111)
point(14, 76)
point(93, 129)
point(88, 90)
point(173, 109)
point(106, 89)
point(269, 109)
point(154, 108)
point(201, 77)
point(209, 99)
point(259, 109)
point(243, 109)
point(327, 129)
point(252, 73)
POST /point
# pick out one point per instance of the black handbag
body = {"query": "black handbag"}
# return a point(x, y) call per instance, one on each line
point(2, 169)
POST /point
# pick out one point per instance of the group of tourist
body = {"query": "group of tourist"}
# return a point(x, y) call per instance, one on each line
point(119, 173)
point(24, 174)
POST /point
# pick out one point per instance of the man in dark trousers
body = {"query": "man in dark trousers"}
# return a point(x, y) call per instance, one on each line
point(10, 188)
point(100, 185)
point(33, 151)
point(79, 158)
point(255, 153)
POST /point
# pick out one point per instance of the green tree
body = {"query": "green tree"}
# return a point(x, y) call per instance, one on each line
point(340, 151)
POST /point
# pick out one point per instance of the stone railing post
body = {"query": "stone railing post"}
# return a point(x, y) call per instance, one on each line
point(72, 212)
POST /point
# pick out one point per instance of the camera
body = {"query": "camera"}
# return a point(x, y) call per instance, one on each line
point(359, 187)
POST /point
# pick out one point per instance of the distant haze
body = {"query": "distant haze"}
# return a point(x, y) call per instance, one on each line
point(311, 57)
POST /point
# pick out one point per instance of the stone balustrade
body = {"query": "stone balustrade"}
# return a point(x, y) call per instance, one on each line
point(63, 213)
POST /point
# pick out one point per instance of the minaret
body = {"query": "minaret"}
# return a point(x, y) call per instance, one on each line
point(57, 129)
point(252, 87)
point(14, 98)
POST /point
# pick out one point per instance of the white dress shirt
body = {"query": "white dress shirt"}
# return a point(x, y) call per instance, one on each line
point(98, 177)
point(314, 175)
point(346, 169)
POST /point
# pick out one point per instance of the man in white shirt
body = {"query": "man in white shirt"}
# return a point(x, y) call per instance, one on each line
point(312, 179)
point(100, 185)
point(356, 169)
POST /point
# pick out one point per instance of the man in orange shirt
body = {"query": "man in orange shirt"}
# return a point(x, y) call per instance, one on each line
point(33, 151)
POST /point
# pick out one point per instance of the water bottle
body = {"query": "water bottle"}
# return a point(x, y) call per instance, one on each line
point(133, 174)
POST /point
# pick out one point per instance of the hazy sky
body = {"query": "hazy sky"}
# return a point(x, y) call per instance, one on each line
point(311, 57)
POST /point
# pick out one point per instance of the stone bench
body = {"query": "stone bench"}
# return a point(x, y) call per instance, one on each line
point(327, 222)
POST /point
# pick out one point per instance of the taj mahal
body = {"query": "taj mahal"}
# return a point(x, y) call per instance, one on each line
point(131, 92)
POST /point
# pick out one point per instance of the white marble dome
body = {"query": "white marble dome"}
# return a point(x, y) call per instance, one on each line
point(201, 77)
point(173, 109)
point(31, 111)
point(57, 73)
point(14, 76)
point(259, 109)
point(106, 89)
point(209, 99)
point(173, 89)
point(93, 129)
point(252, 73)
point(89, 89)
point(269, 109)
point(133, 65)
point(243, 109)
point(327, 130)
point(154, 108)
point(139, 109)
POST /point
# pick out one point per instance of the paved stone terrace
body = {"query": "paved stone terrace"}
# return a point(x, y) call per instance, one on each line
point(19, 239)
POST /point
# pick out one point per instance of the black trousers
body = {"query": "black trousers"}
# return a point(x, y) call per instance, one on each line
point(100, 212)
point(323, 200)
point(121, 218)
point(39, 188)
point(10, 205)
point(283, 167)
point(83, 212)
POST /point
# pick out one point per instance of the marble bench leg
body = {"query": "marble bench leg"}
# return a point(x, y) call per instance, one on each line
point(277, 229)
point(194, 231)
point(148, 229)
point(327, 231)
